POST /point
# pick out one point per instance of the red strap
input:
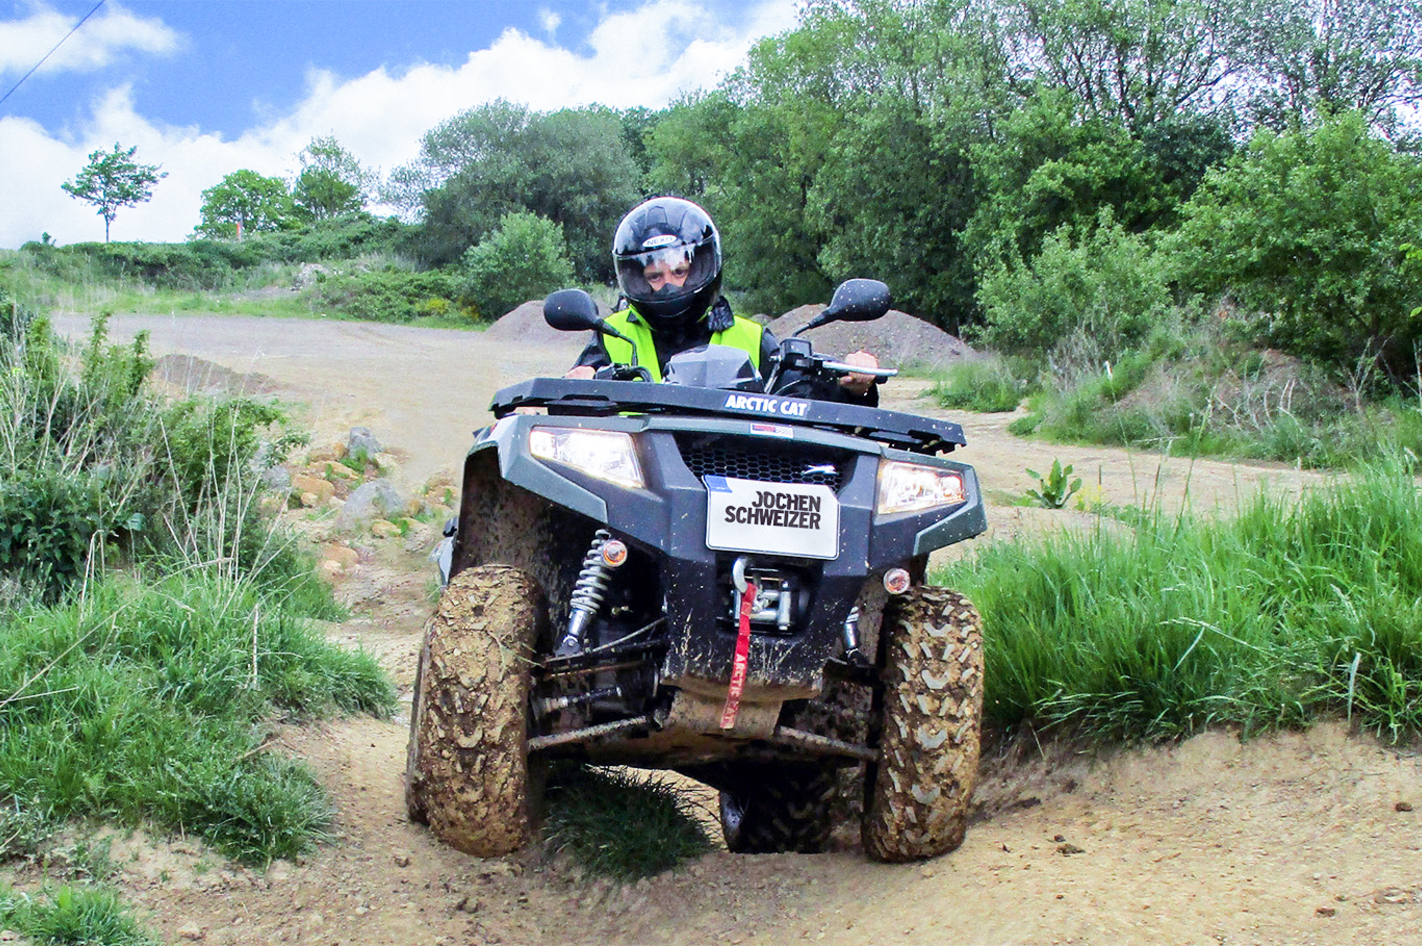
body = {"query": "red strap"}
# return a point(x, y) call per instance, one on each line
point(741, 665)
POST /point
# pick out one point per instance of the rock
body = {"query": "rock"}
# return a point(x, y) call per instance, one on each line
point(385, 529)
point(386, 462)
point(277, 478)
point(361, 445)
point(320, 489)
point(328, 453)
point(1402, 806)
point(191, 931)
point(401, 859)
point(374, 500)
point(308, 275)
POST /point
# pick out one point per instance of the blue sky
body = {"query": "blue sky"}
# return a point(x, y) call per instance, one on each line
point(205, 87)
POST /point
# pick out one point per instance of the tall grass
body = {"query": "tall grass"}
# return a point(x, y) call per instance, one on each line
point(1292, 611)
point(146, 702)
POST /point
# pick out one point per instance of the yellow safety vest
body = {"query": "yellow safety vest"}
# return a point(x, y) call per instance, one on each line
point(743, 334)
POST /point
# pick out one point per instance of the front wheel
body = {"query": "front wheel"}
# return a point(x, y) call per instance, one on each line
point(931, 703)
point(467, 775)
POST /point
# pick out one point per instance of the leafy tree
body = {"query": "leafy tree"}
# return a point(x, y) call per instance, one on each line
point(524, 258)
point(332, 182)
point(1137, 62)
point(1322, 56)
point(113, 179)
point(1303, 231)
point(245, 202)
point(571, 167)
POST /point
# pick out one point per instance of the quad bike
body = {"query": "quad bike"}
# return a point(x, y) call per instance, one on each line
point(709, 575)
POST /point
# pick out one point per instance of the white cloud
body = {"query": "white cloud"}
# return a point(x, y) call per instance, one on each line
point(23, 43)
point(549, 20)
point(648, 56)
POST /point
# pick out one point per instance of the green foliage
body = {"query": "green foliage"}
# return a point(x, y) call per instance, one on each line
point(1303, 233)
point(144, 703)
point(72, 916)
point(1162, 629)
point(332, 182)
point(1054, 489)
point(391, 294)
point(524, 258)
point(1100, 281)
point(618, 826)
point(987, 385)
point(113, 179)
point(243, 203)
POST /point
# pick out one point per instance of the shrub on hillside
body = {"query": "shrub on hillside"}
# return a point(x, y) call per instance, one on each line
point(1101, 281)
point(91, 461)
point(524, 258)
point(392, 295)
point(1304, 231)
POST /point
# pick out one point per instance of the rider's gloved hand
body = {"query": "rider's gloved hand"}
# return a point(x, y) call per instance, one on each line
point(858, 383)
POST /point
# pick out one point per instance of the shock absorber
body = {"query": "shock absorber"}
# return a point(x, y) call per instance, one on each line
point(604, 554)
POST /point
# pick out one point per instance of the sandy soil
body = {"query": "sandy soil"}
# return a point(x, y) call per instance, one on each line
point(1301, 838)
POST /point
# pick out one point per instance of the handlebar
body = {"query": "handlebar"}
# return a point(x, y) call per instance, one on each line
point(880, 373)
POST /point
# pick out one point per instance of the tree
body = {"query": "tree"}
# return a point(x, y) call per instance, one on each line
point(1322, 56)
point(524, 258)
point(571, 167)
point(245, 202)
point(113, 179)
point(332, 182)
point(1139, 61)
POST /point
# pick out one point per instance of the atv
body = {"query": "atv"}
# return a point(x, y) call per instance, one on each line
point(711, 575)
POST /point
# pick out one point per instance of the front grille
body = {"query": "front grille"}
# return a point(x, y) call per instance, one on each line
point(767, 465)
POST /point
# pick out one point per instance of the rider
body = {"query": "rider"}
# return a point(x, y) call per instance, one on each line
point(668, 258)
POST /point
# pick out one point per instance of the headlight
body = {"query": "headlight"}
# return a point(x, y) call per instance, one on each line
point(908, 487)
point(605, 454)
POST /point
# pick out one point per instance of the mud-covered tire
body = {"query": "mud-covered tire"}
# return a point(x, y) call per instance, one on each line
point(467, 775)
point(932, 699)
point(779, 808)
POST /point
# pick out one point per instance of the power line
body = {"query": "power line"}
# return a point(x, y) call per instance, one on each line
point(51, 52)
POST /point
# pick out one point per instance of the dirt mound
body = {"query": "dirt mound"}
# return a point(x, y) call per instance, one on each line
point(193, 375)
point(525, 325)
point(898, 339)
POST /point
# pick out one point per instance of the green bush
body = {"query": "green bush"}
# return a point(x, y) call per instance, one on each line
point(524, 258)
point(1304, 232)
point(90, 462)
point(391, 295)
point(1103, 281)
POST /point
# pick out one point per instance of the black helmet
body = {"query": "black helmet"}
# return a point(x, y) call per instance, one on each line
point(671, 232)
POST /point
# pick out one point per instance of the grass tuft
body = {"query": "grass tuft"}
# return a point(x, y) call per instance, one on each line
point(72, 916)
point(619, 826)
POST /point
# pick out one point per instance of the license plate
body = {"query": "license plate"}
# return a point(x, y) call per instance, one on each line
point(773, 518)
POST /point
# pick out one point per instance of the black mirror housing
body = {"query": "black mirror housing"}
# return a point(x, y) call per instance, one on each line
point(570, 310)
point(858, 300)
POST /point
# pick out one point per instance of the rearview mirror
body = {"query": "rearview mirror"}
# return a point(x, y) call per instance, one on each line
point(856, 300)
point(570, 310)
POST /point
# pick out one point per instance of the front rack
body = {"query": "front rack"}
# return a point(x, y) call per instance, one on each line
point(594, 398)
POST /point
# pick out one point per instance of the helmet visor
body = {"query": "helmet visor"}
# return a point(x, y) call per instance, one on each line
point(668, 272)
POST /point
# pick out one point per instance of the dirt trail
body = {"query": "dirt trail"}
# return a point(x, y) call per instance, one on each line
point(1301, 838)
